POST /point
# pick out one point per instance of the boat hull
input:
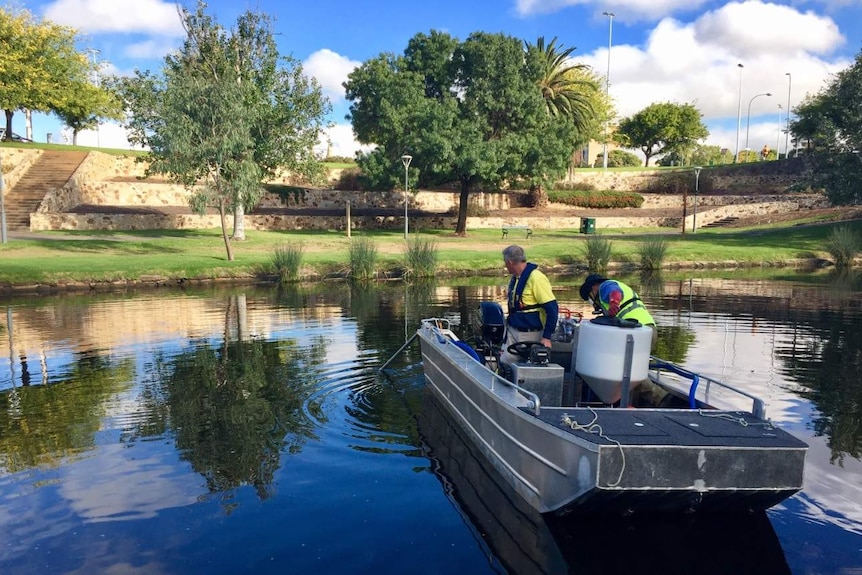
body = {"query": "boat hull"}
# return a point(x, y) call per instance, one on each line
point(644, 459)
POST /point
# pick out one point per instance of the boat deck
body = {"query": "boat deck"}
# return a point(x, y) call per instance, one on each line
point(701, 428)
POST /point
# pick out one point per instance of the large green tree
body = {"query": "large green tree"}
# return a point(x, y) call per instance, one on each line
point(661, 128)
point(830, 123)
point(40, 67)
point(469, 112)
point(91, 105)
point(227, 113)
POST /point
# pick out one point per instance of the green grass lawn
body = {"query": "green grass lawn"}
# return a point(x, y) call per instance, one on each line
point(55, 257)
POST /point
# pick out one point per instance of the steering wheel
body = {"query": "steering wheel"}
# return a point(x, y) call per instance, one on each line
point(522, 348)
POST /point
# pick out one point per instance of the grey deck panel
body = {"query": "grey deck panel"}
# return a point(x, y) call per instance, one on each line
point(709, 428)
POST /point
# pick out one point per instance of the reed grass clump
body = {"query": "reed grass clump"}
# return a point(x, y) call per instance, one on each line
point(652, 251)
point(421, 257)
point(286, 261)
point(597, 252)
point(842, 244)
point(363, 258)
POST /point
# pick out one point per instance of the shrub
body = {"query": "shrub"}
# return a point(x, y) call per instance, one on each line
point(842, 244)
point(363, 258)
point(652, 251)
point(350, 180)
point(421, 257)
point(287, 260)
point(597, 252)
point(605, 199)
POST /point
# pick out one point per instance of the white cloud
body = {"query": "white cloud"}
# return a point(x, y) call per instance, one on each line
point(155, 48)
point(112, 16)
point(752, 29)
point(685, 63)
point(339, 140)
point(331, 71)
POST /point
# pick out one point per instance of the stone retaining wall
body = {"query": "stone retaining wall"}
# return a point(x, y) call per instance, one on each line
point(16, 162)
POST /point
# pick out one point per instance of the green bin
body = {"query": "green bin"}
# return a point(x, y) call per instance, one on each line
point(588, 225)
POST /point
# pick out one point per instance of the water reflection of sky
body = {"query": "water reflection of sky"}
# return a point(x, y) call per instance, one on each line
point(122, 478)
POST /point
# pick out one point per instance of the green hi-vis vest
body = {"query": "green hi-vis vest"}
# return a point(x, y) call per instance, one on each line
point(631, 307)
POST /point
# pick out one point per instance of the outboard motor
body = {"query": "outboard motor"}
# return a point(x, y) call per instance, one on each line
point(491, 323)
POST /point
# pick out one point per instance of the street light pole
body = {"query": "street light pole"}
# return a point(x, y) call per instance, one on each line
point(748, 121)
point(738, 114)
point(697, 170)
point(778, 136)
point(95, 52)
point(610, 16)
point(787, 133)
point(405, 159)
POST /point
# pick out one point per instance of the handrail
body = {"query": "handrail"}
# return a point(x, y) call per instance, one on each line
point(658, 364)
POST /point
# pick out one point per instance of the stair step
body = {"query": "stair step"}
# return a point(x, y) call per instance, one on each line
point(52, 170)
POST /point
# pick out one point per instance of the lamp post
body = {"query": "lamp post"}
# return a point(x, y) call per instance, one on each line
point(405, 159)
point(748, 121)
point(787, 133)
point(610, 16)
point(778, 136)
point(738, 114)
point(95, 52)
point(697, 170)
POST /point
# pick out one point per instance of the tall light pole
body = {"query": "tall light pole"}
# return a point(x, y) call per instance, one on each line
point(738, 114)
point(405, 159)
point(697, 170)
point(778, 136)
point(95, 52)
point(787, 133)
point(610, 16)
point(748, 121)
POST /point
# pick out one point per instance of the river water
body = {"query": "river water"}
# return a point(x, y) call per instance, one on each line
point(234, 430)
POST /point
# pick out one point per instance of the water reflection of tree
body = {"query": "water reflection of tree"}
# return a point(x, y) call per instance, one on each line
point(235, 408)
point(41, 424)
point(673, 343)
point(829, 366)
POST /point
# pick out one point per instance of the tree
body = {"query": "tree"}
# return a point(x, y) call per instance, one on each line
point(467, 111)
point(661, 128)
point(617, 159)
point(569, 94)
point(226, 114)
point(91, 105)
point(831, 124)
point(39, 65)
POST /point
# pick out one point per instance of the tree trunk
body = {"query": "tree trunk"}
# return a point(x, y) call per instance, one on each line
point(239, 222)
point(684, 209)
point(224, 235)
point(461, 227)
point(8, 135)
point(538, 197)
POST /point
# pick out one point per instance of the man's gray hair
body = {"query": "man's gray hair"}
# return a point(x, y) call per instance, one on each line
point(514, 254)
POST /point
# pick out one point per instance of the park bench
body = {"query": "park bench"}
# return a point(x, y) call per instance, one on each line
point(507, 229)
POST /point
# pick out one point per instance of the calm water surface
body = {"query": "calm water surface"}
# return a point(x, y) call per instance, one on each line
point(247, 430)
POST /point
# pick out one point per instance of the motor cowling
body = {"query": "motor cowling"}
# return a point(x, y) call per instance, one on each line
point(490, 322)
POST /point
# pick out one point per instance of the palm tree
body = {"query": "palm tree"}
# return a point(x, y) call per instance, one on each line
point(569, 93)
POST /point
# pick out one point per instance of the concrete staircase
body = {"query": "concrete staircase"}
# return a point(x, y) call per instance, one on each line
point(722, 222)
point(52, 170)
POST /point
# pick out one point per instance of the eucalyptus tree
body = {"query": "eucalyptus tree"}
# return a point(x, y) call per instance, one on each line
point(831, 123)
point(662, 128)
point(40, 66)
point(468, 112)
point(227, 112)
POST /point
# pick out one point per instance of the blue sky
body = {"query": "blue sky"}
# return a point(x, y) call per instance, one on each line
point(661, 50)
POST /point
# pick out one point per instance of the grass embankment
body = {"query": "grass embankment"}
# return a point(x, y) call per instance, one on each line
point(68, 257)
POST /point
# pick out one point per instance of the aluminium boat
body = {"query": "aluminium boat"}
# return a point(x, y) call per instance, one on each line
point(568, 430)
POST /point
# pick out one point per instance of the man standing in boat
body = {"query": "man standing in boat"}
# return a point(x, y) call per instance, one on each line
point(533, 310)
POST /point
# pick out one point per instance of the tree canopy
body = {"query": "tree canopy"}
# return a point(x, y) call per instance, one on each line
point(661, 128)
point(470, 112)
point(40, 67)
point(830, 124)
point(226, 113)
